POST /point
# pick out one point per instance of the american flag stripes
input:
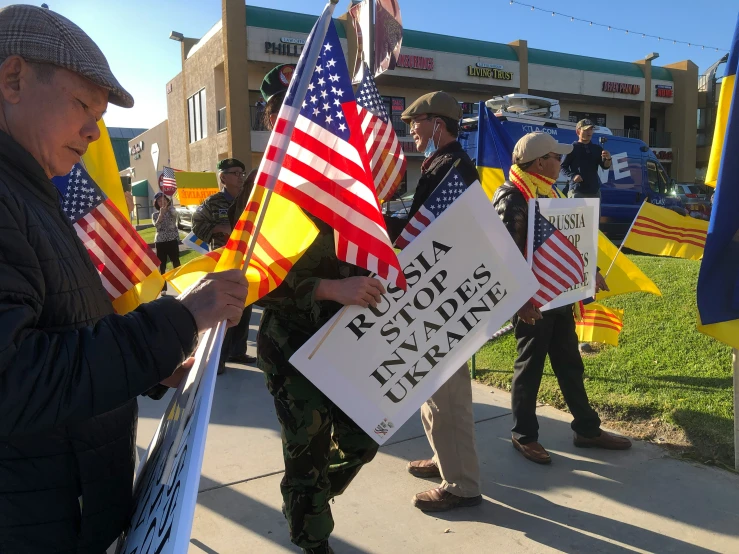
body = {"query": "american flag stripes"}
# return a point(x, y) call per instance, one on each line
point(120, 255)
point(168, 184)
point(557, 264)
point(316, 156)
point(446, 192)
point(386, 157)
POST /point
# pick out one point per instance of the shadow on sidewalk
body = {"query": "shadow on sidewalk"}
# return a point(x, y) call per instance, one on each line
point(254, 515)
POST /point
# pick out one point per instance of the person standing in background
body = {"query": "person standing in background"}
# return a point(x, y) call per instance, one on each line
point(167, 238)
point(235, 343)
point(210, 221)
point(581, 165)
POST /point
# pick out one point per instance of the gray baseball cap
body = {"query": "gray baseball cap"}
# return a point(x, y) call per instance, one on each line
point(42, 36)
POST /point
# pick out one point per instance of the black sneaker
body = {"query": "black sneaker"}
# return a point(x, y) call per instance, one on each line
point(242, 359)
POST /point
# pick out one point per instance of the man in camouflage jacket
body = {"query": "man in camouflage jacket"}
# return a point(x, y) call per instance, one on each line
point(323, 448)
point(210, 222)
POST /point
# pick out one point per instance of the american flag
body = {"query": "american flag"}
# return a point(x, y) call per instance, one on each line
point(557, 264)
point(387, 160)
point(316, 156)
point(168, 183)
point(120, 255)
point(446, 192)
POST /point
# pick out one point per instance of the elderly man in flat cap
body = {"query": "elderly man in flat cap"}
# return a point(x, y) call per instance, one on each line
point(70, 369)
point(447, 416)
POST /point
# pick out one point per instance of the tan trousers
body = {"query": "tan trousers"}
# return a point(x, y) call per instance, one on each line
point(450, 427)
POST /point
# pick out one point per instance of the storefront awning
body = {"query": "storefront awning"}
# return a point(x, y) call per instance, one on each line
point(140, 188)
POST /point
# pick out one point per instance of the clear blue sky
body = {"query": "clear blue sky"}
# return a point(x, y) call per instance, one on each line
point(133, 34)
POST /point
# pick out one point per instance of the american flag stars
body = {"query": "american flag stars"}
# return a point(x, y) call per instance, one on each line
point(80, 197)
point(325, 91)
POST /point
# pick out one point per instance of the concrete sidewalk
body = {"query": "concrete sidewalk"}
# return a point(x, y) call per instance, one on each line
point(587, 501)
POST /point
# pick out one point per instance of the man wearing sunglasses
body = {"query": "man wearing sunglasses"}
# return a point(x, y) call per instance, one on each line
point(581, 165)
point(536, 166)
point(210, 222)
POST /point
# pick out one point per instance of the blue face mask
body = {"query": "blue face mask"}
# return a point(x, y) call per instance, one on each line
point(431, 146)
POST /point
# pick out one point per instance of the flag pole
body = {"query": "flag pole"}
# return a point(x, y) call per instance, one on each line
point(610, 267)
point(300, 94)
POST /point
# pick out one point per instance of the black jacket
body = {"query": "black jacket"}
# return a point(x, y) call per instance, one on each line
point(513, 210)
point(584, 160)
point(433, 170)
point(70, 371)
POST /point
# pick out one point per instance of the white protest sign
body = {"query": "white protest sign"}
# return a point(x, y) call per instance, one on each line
point(577, 219)
point(165, 507)
point(465, 278)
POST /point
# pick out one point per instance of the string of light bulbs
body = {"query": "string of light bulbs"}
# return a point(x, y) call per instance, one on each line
point(612, 28)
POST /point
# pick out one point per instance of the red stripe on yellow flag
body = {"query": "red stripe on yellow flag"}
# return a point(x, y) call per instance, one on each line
point(285, 234)
point(600, 324)
point(662, 232)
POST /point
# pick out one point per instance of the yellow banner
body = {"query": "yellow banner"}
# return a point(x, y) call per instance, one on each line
point(193, 186)
point(662, 232)
point(624, 276)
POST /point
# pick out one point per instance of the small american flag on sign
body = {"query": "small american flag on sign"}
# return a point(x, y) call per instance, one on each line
point(120, 255)
point(168, 177)
point(386, 157)
point(444, 194)
point(557, 264)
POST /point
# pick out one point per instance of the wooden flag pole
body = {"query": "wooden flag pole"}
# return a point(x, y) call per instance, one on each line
point(610, 267)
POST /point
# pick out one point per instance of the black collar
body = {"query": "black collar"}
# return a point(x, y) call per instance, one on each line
point(18, 158)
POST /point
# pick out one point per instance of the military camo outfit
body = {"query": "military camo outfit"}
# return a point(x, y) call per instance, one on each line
point(322, 447)
point(211, 212)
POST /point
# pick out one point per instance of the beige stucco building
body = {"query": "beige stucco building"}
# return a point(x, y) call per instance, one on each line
point(212, 116)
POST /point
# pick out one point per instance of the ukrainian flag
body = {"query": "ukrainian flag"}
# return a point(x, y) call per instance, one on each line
point(718, 283)
point(494, 151)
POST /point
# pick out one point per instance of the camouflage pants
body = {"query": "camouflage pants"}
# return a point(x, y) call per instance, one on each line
point(323, 450)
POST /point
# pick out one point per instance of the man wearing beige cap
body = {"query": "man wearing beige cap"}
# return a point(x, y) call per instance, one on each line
point(447, 416)
point(70, 369)
point(536, 166)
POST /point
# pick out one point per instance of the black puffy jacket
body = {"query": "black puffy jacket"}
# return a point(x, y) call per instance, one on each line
point(70, 371)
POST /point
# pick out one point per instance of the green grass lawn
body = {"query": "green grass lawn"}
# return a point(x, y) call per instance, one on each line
point(665, 381)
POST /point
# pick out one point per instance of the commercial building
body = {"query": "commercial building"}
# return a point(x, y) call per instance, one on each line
point(212, 109)
point(149, 153)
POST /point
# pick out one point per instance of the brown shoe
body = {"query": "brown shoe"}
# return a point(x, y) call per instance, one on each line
point(439, 500)
point(424, 469)
point(533, 451)
point(606, 440)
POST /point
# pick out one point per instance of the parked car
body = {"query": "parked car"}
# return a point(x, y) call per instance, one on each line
point(400, 206)
point(687, 192)
point(184, 216)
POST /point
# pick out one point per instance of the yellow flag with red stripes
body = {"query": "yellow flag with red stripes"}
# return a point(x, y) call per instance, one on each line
point(286, 233)
point(600, 324)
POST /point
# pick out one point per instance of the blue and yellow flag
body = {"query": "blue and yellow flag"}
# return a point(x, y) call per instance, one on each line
point(494, 151)
point(100, 163)
point(718, 282)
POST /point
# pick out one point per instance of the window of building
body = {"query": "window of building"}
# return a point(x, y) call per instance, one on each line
point(469, 109)
point(653, 176)
point(596, 118)
point(395, 105)
point(196, 113)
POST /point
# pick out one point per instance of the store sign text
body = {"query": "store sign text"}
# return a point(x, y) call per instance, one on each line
point(664, 91)
point(415, 62)
point(474, 71)
point(293, 50)
point(621, 88)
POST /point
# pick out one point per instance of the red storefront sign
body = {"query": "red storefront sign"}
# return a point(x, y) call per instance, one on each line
point(621, 88)
point(415, 62)
point(664, 91)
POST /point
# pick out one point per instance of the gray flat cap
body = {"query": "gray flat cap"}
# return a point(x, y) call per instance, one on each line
point(43, 36)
